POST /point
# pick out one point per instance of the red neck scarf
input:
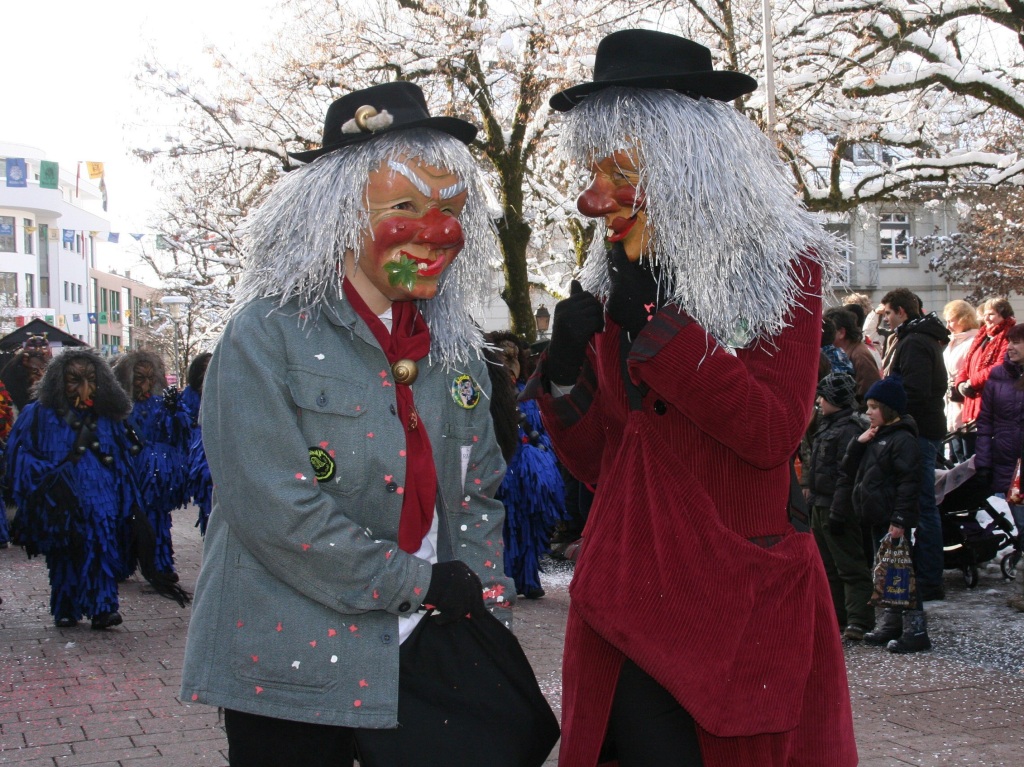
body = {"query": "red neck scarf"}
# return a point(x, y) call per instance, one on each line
point(409, 339)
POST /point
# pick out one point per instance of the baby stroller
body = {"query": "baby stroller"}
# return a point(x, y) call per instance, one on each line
point(973, 531)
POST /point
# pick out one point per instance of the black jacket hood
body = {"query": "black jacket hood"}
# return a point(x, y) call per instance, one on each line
point(929, 325)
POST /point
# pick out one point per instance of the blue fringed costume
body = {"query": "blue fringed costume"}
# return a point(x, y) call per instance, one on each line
point(161, 468)
point(69, 469)
point(533, 493)
point(199, 483)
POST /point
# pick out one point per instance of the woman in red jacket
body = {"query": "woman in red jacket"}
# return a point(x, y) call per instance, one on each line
point(987, 350)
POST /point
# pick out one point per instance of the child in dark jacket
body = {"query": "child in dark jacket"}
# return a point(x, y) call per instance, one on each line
point(839, 538)
point(879, 480)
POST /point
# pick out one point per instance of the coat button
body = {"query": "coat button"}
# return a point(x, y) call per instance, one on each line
point(322, 399)
point(391, 487)
point(385, 638)
point(660, 407)
point(404, 607)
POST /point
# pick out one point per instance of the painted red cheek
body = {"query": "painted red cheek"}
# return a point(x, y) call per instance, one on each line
point(629, 197)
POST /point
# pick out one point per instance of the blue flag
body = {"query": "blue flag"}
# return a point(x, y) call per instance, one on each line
point(69, 236)
point(17, 174)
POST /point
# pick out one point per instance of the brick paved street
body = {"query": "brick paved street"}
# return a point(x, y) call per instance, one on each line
point(81, 697)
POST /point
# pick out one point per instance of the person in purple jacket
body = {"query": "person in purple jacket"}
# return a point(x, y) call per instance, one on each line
point(1001, 426)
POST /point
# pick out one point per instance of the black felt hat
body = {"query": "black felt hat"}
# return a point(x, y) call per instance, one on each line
point(381, 109)
point(643, 58)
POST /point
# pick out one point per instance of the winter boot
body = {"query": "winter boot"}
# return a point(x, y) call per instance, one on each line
point(915, 634)
point(889, 627)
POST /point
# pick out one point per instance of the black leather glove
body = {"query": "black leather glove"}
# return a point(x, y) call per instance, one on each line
point(836, 526)
point(577, 318)
point(983, 476)
point(454, 591)
point(634, 296)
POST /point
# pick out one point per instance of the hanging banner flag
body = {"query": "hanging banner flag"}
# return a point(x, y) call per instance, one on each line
point(49, 174)
point(17, 175)
point(127, 316)
point(91, 316)
point(54, 233)
point(69, 237)
point(30, 230)
point(62, 321)
point(95, 169)
point(137, 236)
point(76, 317)
point(103, 318)
point(113, 237)
point(49, 318)
point(19, 322)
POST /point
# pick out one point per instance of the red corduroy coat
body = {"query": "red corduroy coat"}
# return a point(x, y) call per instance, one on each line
point(687, 471)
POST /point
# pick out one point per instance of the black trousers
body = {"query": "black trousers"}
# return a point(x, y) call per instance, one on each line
point(647, 726)
point(261, 741)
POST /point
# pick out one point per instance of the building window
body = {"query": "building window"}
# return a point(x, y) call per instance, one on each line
point(66, 291)
point(7, 234)
point(8, 289)
point(30, 290)
point(28, 237)
point(103, 299)
point(115, 306)
point(79, 294)
point(43, 264)
point(894, 238)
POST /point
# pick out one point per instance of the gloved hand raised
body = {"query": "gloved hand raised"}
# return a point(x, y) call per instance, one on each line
point(634, 296)
point(454, 591)
point(577, 319)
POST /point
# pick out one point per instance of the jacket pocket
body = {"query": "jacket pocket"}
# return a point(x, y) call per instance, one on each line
point(273, 642)
point(331, 416)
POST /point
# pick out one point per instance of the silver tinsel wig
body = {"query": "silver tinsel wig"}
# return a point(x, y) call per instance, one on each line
point(723, 218)
point(295, 242)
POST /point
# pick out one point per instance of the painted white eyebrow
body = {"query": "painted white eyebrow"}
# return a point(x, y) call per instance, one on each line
point(451, 191)
point(416, 181)
point(421, 186)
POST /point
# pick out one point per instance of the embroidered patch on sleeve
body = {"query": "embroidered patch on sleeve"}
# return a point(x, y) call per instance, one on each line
point(323, 464)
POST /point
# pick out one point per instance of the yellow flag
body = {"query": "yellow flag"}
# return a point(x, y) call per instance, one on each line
point(95, 169)
point(30, 229)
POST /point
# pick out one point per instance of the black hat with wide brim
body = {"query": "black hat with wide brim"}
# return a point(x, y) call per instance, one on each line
point(363, 115)
point(643, 58)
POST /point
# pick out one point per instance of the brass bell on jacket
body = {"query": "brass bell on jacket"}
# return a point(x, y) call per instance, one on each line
point(405, 371)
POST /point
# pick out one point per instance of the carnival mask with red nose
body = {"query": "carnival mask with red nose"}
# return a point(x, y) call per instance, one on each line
point(80, 383)
point(414, 233)
point(615, 195)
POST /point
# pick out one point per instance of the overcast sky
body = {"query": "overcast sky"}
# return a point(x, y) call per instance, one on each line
point(68, 76)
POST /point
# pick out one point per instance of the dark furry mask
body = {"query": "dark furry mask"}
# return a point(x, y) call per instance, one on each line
point(109, 401)
point(124, 369)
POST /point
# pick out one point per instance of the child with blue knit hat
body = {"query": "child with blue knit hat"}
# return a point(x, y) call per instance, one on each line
point(840, 541)
point(879, 481)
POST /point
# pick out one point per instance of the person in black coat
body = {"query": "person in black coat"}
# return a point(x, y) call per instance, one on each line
point(917, 358)
point(879, 481)
point(839, 538)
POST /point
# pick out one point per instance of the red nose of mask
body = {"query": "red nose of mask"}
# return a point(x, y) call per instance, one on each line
point(595, 203)
point(439, 230)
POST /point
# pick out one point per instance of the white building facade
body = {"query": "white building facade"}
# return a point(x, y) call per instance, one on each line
point(47, 244)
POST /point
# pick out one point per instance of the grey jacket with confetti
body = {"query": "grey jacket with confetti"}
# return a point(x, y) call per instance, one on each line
point(297, 606)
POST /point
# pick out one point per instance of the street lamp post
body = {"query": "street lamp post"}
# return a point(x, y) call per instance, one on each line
point(543, 319)
point(175, 305)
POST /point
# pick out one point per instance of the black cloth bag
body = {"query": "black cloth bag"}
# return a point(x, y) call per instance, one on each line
point(467, 697)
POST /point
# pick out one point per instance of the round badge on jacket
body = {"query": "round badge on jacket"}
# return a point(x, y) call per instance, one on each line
point(465, 392)
point(323, 464)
